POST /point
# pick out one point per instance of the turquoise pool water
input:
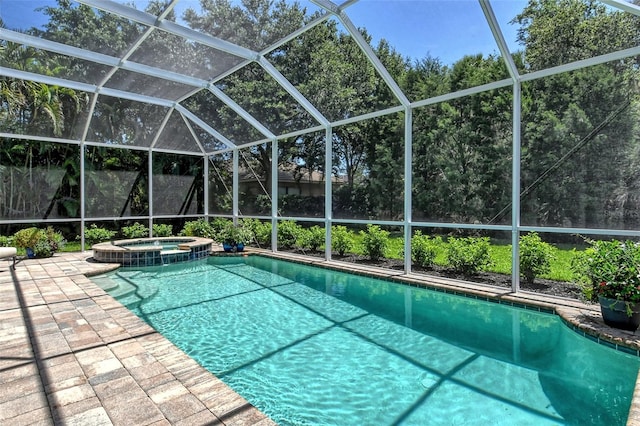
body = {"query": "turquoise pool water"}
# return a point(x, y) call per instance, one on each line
point(309, 346)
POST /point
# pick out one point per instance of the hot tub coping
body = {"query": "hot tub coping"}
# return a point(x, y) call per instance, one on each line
point(183, 243)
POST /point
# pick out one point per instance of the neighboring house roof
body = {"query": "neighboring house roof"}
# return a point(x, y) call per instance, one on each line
point(288, 176)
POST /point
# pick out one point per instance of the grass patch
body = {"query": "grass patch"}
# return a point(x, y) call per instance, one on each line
point(500, 256)
point(72, 246)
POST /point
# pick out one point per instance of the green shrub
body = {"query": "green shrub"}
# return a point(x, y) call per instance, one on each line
point(235, 234)
point(55, 239)
point(311, 238)
point(468, 255)
point(162, 230)
point(43, 242)
point(535, 256)
point(288, 232)
point(261, 231)
point(198, 228)
point(424, 249)
point(341, 239)
point(137, 230)
point(374, 242)
point(94, 235)
point(218, 227)
point(27, 237)
point(610, 269)
point(6, 241)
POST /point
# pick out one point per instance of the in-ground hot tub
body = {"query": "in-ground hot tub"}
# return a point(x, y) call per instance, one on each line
point(152, 251)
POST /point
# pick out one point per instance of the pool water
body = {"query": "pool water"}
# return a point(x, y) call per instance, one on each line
point(310, 346)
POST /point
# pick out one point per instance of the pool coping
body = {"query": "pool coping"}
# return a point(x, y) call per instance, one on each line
point(117, 246)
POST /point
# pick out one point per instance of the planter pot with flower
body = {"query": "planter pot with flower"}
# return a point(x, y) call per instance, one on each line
point(610, 272)
point(620, 314)
point(234, 237)
point(39, 242)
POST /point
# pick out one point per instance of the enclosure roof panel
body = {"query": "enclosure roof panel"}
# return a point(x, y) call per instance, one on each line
point(241, 72)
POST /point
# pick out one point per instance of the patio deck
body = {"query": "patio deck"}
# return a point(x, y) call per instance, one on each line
point(71, 354)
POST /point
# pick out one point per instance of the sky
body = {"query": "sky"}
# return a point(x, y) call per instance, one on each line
point(446, 29)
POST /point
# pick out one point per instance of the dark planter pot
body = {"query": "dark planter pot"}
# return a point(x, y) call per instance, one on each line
point(233, 247)
point(30, 253)
point(616, 314)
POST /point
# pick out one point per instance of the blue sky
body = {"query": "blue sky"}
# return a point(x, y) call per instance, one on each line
point(447, 29)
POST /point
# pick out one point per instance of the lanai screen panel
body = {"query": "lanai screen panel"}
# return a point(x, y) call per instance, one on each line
point(221, 183)
point(368, 157)
point(327, 66)
point(178, 184)
point(549, 34)
point(147, 85)
point(579, 164)
point(39, 180)
point(301, 175)
point(252, 27)
point(176, 135)
point(92, 29)
point(39, 61)
point(462, 152)
point(116, 182)
point(209, 142)
point(173, 53)
point(124, 122)
point(253, 89)
point(255, 180)
point(222, 118)
point(57, 113)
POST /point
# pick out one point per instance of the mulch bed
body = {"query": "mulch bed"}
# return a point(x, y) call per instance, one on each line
point(553, 288)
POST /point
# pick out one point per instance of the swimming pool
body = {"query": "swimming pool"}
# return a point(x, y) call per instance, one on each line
point(312, 346)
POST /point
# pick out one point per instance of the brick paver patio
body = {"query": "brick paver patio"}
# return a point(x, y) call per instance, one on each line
point(70, 354)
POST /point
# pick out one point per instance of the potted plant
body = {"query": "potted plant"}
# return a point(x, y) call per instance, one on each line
point(39, 242)
point(234, 237)
point(27, 239)
point(610, 273)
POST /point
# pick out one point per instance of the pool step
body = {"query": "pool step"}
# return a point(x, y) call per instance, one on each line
point(106, 284)
point(123, 290)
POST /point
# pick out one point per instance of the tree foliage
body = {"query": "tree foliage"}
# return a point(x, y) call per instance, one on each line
point(580, 156)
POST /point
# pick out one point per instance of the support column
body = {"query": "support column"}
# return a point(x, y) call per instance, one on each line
point(82, 197)
point(235, 184)
point(515, 189)
point(206, 186)
point(328, 191)
point(274, 195)
point(150, 171)
point(408, 160)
